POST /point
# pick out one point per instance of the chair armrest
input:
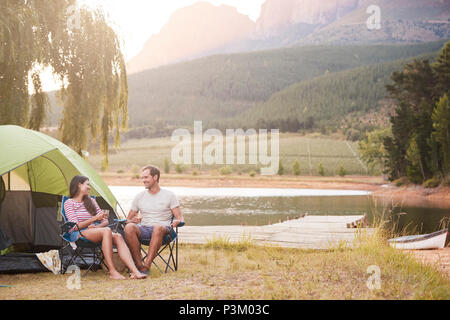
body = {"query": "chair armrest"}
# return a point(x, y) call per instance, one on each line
point(66, 227)
point(117, 223)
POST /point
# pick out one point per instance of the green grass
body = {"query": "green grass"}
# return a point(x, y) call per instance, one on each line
point(308, 150)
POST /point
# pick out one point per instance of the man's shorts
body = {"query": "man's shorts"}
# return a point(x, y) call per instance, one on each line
point(146, 232)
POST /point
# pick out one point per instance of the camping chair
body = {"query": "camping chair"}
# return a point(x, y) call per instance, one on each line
point(170, 242)
point(81, 245)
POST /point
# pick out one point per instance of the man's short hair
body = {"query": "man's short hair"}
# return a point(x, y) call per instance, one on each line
point(154, 171)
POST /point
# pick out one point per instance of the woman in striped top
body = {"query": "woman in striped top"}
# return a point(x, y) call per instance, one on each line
point(85, 212)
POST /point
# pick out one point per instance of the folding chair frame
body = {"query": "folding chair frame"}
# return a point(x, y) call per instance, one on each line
point(97, 255)
point(173, 258)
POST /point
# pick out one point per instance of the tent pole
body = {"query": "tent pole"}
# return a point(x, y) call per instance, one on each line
point(123, 212)
point(33, 219)
point(32, 212)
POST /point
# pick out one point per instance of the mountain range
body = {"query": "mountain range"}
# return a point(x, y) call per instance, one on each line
point(327, 88)
point(221, 87)
point(203, 29)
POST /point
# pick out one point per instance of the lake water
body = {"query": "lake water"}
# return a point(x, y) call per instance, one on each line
point(262, 206)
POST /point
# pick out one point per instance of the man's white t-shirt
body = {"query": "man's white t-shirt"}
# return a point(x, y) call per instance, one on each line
point(155, 208)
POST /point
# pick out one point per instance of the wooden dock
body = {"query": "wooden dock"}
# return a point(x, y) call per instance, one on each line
point(309, 232)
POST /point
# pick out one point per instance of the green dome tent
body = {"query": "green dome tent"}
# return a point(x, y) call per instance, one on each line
point(36, 171)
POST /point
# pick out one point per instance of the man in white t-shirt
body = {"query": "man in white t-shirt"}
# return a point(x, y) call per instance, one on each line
point(156, 207)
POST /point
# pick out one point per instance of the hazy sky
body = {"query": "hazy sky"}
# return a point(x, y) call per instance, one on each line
point(136, 20)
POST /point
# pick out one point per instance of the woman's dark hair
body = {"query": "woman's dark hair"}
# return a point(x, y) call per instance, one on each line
point(74, 190)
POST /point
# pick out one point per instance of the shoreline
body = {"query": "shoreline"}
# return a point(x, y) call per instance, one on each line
point(411, 195)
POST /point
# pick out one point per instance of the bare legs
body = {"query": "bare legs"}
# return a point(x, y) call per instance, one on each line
point(107, 238)
point(132, 235)
point(158, 235)
point(125, 255)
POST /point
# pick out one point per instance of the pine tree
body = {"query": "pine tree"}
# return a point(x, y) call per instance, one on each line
point(415, 171)
point(441, 132)
point(413, 90)
point(442, 69)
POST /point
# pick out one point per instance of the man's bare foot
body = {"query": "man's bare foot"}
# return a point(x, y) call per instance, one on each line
point(140, 267)
point(116, 276)
point(144, 270)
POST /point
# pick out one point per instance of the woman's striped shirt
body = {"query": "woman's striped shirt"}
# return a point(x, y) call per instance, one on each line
point(77, 212)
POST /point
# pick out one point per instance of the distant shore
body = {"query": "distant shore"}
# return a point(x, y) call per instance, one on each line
point(411, 195)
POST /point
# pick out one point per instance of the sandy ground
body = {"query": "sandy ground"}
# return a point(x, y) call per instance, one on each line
point(416, 196)
point(202, 181)
point(440, 258)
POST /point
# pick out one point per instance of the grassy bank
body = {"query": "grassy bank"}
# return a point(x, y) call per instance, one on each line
point(222, 270)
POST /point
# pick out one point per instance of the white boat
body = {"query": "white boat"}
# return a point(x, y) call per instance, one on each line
point(433, 240)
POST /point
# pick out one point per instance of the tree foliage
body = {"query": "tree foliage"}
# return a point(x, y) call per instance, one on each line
point(441, 133)
point(85, 56)
point(419, 144)
point(372, 148)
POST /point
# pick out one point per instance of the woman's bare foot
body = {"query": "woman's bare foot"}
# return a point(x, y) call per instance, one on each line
point(138, 275)
point(116, 276)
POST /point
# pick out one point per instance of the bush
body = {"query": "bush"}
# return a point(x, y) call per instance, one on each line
point(321, 169)
point(353, 134)
point(432, 183)
point(280, 168)
point(296, 168)
point(166, 165)
point(120, 171)
point(195, 173)
point(401, 181)
point(225, 170)
point(252, 173)
point(447, 181)
point(341, 171)
point(179, 168)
